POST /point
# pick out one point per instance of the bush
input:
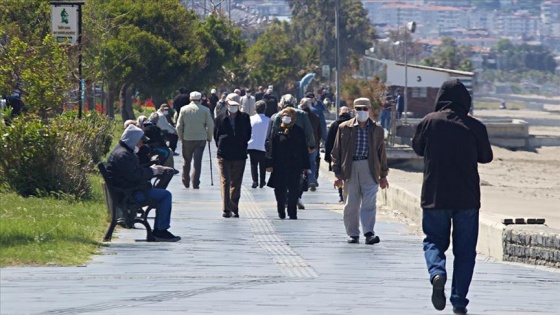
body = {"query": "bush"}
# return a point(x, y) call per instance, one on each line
point(53, 157)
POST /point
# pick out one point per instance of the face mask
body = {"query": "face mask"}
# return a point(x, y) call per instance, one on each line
point(362, 116)
point(286, 120)
point(233, 109)
point(136, 150)
point(166, 112)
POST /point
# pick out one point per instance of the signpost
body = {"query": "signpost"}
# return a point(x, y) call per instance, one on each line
point(66, 27)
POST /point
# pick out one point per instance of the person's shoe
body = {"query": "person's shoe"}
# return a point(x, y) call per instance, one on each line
point(165, 236)
point(293, 217)
point(195, 187)
point(226, 214)
point(175, 172)
point(372, 239)
point(175, 154)
point(254, 185)
point(312, 187)
point(341, 200)
point(460, 310)
point(282, 215)
point(300, 204)
point(438, 294)
point(261, 185)
point(235, 214)
point(354, 240)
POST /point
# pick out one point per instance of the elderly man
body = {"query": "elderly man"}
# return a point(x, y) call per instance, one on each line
point(232, 133)
point(359, 163)
point(247, 103)
point(124, 168)
point(343, 115)
point(169, 132)
point(194, 128)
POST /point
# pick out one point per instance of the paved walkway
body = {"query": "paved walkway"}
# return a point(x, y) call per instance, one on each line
point(258, 264)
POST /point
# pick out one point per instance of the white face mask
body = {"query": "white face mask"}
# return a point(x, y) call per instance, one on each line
point(136, 150)
point(286, 120)
point(233, 109)
point(362, 115)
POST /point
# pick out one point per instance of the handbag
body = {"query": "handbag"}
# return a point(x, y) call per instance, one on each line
point(304, 182)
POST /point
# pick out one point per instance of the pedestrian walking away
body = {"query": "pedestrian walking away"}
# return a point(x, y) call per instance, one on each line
point(232, 133)
point(343, 115)
point(287, 159)
point(359, 163)
point(194, 128)
point(452, 144)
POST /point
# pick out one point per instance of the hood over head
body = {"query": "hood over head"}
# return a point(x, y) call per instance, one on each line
point(132, 135)
point(453, 95)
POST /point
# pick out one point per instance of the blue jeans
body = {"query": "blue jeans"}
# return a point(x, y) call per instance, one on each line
point(436, 224)
point(312, 176)
point(385, 119)
point(163, 209)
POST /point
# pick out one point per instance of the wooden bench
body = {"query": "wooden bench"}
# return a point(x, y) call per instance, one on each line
point(123, 207)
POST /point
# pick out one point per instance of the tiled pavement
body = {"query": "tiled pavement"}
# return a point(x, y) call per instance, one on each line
point(258, 264)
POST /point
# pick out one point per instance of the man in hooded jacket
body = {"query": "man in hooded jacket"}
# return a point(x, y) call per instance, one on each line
point(452, 144)
point(124, 168)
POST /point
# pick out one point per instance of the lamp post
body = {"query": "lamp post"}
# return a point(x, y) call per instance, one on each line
point(411, 27)
point(337, 32)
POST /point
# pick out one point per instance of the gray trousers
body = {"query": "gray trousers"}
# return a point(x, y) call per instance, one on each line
point(231, 177)
point(192, 150)
point(361, 199)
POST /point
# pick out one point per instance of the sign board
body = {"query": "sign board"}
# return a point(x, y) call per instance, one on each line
point(64, 23)
point(326, 71)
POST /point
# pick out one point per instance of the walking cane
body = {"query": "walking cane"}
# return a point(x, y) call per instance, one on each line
point(210, 154)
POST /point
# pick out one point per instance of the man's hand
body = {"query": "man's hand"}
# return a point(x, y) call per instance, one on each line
point(269, 169)
point(383, 183)
point(157, 169)
point(311, 149)
point(337, 183)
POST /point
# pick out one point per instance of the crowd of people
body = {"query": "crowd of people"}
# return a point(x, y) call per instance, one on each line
point(283, 137)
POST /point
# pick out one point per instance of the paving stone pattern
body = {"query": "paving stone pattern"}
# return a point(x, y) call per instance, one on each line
point(259, 264)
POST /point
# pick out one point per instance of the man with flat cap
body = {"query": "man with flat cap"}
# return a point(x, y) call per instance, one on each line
point(359, 163)
point(194, 128)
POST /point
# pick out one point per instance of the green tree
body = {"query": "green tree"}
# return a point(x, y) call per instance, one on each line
point(450, 55)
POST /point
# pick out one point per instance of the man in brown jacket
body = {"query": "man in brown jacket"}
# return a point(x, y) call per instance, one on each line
point(359, 163)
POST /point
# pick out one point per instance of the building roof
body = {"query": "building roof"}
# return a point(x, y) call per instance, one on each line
point(450, 71)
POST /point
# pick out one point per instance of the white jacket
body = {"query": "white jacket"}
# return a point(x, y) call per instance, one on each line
point(259, 125)
point(248, 105)
point(163, 124)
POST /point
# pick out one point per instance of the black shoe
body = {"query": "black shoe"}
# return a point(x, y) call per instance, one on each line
point(293, 217)
point(226, 214)
point(254, 185)
point(282, 214)
point(186, 184)
point(460, 310)
point(164, 236)
point(196, 187)
point(261, 185)
point(300, 205)
point(175, 154)
point(372, 239)
point(341, 200)
point(438, 294)
point(235, 214)
point(175, 172)
point(312, 187)
point(354, 240)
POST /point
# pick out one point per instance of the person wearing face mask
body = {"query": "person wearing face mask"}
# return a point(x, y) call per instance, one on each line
point(305, 105)
point(247, 102)
point(287, 159)
point(343, 115)
point(125, 170)
point(359, 163)
point(169, 132)
point(232, 132)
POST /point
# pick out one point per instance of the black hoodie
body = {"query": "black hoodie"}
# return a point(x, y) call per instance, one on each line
point(452, 144)
point(331, 136)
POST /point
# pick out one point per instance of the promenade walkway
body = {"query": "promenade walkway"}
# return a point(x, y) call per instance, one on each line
point(258, 264)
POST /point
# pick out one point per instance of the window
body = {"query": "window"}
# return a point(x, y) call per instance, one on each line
point(419, 92)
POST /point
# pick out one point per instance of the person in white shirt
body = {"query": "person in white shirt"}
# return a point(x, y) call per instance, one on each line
point(169, 132)
point(256, 149)
point(248, 103)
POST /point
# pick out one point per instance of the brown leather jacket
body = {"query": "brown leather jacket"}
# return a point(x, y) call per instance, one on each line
point(345, 145)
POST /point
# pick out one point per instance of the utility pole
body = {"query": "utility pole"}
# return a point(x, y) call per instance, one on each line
point(337, 34)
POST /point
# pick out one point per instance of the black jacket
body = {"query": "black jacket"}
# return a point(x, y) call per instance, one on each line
point(331, 136)
point(452, 144)
point(124, 168)
point(232, 144)
point(271, 107)
point(286, 154)
point(180, 100)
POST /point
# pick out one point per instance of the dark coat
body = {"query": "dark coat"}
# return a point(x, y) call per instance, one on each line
point(232, 144)
point(271, 105)
point(316, 126)
point(124, 168)
point(452, 144)
point(180, 100)
point(286, 154)
point(331, 136)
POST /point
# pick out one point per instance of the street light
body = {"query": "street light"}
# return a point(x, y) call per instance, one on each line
point(411, 27)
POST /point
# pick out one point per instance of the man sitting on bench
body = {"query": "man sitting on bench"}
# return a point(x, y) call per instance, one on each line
point(124, 168)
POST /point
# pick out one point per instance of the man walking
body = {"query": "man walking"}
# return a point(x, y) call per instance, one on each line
point(232, 133)
point(452, 144)
point(256, 146)
point(194, 128)
point(180, 100)
point(359, 163)
point(247, 103)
